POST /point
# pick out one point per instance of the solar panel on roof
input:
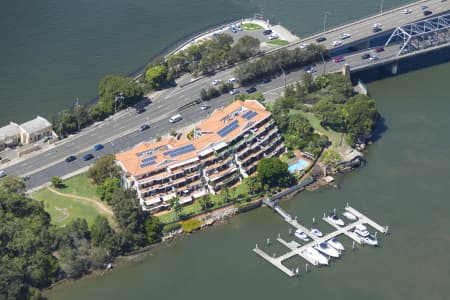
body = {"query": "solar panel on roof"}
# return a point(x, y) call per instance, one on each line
point(180, 151)
point(229, 128)
point(250, 114)
point(148, 163)
point(147, 159)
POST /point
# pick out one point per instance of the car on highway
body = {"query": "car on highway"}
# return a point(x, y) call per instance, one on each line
point(273, 36)
point(344, 36)
point(423, 7)
point(365, 56)
point(2, 173)
point(373, 57)
point(379, 49)
point(339, 58)
point(234, 92)
point(216, 81)
point(310, 69)
point(250, 90)
point(304, 45)
point(377, 27)
point(88, 156)
point(26, 177)
point(336, 43)
point(70, 158)
point(267, 31)
point(427, 12)
point(266, 80)
point(175, 118)
point(321, 39)
point(140, 110)
point(205, 107)
point(407, 11)
point(144, 127)
point(98, 147)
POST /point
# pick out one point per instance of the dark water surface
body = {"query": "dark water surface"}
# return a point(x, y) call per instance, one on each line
point(404, 185)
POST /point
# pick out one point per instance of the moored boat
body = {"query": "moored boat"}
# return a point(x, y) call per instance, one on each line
point(316, 232)
point(349, 216)
point(333, 218)
point(301, 235)
point(335, 244)
point(315, 256)
point(327, 250)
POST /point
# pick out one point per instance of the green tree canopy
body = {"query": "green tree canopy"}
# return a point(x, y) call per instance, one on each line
point(103, 169)
point(274, 173)
point(157, 76)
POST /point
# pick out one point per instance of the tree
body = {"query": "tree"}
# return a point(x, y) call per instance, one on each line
point(176, 205)
point(57, 182)
point(204, 94)
point(308, 82)
point(274, 173)
point(205, 202)
point(330, 156)
point(13, 184)
point(153, 229)
point(225, 194)
point(103, 169)
point(156, 76)
point(106, 189)
point(101, 232)
point(110, 87)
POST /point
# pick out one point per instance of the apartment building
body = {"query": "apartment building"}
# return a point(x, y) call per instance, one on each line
point(217, 153)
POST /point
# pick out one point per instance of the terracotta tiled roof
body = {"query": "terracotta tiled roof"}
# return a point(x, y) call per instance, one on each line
point(223, 125)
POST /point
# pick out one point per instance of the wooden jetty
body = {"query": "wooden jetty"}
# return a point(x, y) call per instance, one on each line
point(299, 250)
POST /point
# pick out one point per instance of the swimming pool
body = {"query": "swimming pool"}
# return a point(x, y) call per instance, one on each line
point(299, 165)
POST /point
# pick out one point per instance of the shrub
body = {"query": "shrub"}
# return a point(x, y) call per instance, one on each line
point(191, 225)
point(171, 227)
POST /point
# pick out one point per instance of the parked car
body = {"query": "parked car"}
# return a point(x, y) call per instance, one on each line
point(71, 158)
point(234, 92)
point(273, 36)
point(379, 49)
point(344, 36)
point(216, 81)
point(321, 39)
point(144, 127)
point(339, 58)
point(251, 90)
point(88, 156)
point(98, 147)
point(265, 80)
point(310, 69)
point(365, 56)
point(267, 31)
point(26, 177)
point(304, 45)
point(336, 43)
point(204, 107)
point(2, 173)
point(427, 12)
point(232, 80)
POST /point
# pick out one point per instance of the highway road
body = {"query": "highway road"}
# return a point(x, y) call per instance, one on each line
point(121, 132)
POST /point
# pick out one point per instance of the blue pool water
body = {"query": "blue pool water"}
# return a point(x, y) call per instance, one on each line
point(300, 165)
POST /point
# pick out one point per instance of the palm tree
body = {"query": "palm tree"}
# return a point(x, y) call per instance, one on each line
point(206, 202)
point(176, 205)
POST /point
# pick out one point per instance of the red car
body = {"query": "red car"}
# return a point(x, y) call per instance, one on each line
point(339, 58)
point(379, 49)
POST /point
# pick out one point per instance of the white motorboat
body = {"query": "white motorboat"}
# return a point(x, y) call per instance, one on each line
point(370, 240)
point(335, 219)
point(361, 230)
point(335, 244)
point(315, 256)
point(294, 244)
point(301, 235)
point(327, 250)
point(316, 232)
point(350, 216)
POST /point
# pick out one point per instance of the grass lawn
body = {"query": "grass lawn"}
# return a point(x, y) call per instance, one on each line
point(251, 26)
point(64, 209)
point(188, 209)
point(278, 42)
point(80, 185)
point(334, 136)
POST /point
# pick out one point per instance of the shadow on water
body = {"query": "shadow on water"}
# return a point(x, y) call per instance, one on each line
point(380, 128)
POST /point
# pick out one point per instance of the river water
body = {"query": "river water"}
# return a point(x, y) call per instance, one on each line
point(54, 51)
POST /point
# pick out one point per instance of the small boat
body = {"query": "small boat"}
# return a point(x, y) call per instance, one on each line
point(301, 235)
point(315, 256)
point(361, 230)
point(364, 235)
point(333, 218)
point(335, 244)
point(327, 250)
point(350, 216)
point(316, 232)
point(369, 240)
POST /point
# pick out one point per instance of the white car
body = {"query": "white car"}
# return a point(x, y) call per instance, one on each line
point(205, 107)
point(344, 36)
point(304, 45)
point(336, 43)
point(377, 25)
point(407, 11)
point(234, 92)
point(2, 173)
point(232, 80)
point(273, 36)
point(373, 57)
point(216, 81)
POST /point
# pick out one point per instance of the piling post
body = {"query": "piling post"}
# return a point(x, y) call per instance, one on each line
point(268, 242)
point(376, 234)
point(274, 255)
point(386, 230)
point(324, 215)
point(347, 204)
point(334, 210)
point(290, 231)
point(295, 218)
point(353, 245)
point(306, 268)
point(279, 235)
point(256, 247)
point(314, 220)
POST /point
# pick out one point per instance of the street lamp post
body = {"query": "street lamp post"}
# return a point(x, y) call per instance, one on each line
point(77, 105)
point(325, 14)
point(323, 62)
point(284, 77)
point(381, 7)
